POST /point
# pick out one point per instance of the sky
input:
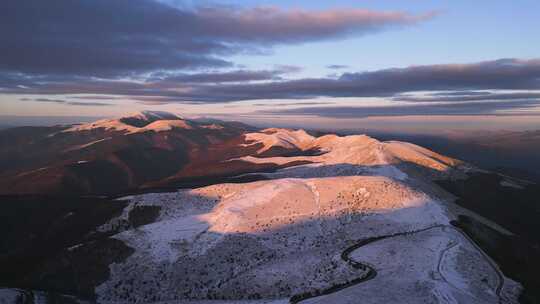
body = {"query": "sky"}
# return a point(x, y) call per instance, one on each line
point(418, 65)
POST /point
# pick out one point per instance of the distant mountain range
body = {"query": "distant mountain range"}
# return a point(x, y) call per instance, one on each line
point(114, 155)
point(511, 152)
point(154, 208)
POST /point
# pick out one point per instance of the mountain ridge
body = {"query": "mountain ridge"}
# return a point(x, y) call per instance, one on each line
point(237, 214)
point(178, 150)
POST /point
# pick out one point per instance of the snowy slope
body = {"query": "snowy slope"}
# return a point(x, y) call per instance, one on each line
point(356, 155)
point(278, 238)
point(437, 265)
point(137, 122)
point(284, 138)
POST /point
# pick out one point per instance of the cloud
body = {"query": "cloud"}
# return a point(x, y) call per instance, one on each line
point(66, 102)
point(131, 37)
point(49, 100)
point(503, 74)
point(477, 108)
point(468, 96)
point(500, 74)
point(287, 68)
point(292, 103)
point(96, 97)
point(460, 93)
point(337, 66)
point(223, 77)
point(88, 104)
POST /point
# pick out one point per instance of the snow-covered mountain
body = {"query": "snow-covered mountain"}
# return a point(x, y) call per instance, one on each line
point(108, 156)
point(161, 150)
point(254, 216)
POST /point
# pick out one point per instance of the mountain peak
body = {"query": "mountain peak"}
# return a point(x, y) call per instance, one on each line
point(284, 138)
point(144, 118)
point(153, 115)
point(137, 122)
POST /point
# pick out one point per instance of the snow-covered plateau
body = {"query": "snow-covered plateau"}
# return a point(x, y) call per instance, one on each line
point(277, 238)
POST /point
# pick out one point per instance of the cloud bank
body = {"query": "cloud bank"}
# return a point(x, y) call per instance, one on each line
point(157, 53)
point(504, 74)
point(128, 37)
point(477, 108)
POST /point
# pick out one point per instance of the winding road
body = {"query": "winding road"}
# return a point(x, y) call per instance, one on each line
point(372, 273)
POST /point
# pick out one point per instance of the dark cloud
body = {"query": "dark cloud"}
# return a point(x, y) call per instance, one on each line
point(307, 103)
point(476, 108)
point(504, 74)
point(223, 77)
point(88, 104)
point(287, 68)
point(158, 100)
point(66, 102)
point(461, 93)
point(49, 100)
point(43, 100)
point(128, 37)
point(96, 97)
point(337, 66)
